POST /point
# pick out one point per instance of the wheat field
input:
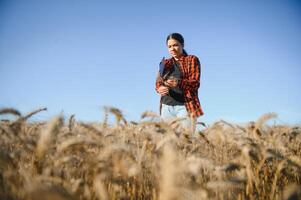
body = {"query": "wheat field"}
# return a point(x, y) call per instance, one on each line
point(64, 159)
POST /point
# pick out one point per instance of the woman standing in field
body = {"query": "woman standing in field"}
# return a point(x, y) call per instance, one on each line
point(178, 82)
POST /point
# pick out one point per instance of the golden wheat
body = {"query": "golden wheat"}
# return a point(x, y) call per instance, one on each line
point(149, 159)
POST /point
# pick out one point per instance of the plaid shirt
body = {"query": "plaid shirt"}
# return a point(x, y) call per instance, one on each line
point(190, 82)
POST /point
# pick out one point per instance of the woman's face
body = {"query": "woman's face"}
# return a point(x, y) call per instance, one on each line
point(175, 48)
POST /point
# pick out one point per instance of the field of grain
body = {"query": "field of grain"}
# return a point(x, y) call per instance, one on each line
point(67, 159)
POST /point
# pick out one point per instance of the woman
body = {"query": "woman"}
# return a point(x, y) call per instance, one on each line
point(178, 82)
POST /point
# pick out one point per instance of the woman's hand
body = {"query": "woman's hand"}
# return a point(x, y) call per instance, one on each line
point(163, 90)
point(171, 83)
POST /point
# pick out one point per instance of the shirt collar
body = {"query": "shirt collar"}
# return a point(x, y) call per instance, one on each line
point(181, 58)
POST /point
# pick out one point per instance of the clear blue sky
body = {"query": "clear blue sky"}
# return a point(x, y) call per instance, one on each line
point(76, 56)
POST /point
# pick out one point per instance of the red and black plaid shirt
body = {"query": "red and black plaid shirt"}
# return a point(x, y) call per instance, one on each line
point(190, 82)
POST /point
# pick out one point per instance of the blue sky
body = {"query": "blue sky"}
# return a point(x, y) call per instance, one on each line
point(77, 56)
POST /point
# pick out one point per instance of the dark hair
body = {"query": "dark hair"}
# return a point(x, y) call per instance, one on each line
point(179, 38)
